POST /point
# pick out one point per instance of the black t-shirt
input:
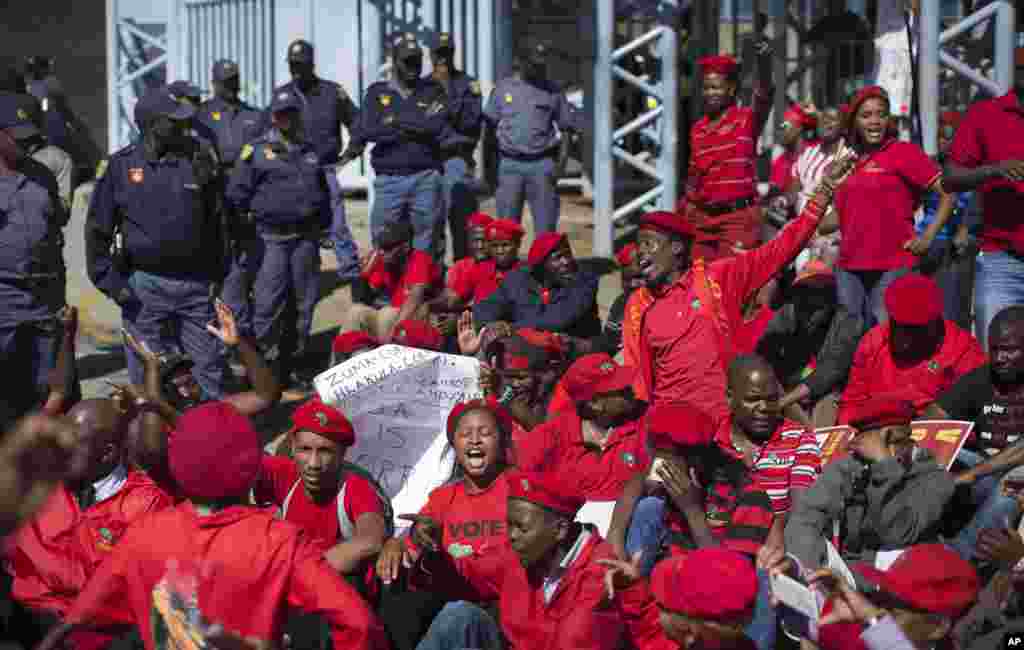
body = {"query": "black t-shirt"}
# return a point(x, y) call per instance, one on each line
point(998, 415)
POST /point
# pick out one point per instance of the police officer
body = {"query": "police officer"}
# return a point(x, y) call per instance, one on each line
point(525, 110)
point(233, 123)
point(42, 83)
point(407, 119)
point(186, 91)
point(32, 272)
point(154, 239)
point(26, 129)
point(325, 107)
point(279, 180)
point(465, 113)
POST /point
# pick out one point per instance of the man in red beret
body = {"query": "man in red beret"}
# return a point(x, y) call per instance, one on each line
point(549, 585)
point(515, 374)
point(459, 280)
point(917, 353)
point(721, 180)
point(213, 560)
point(679, 330)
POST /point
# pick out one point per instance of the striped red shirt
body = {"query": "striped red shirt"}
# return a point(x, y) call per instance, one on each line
point(739, 518)
point(790, 459)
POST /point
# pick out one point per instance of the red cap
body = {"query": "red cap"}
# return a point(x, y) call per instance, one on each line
point(928, 578)
point(418, 334)
point(548, 490)
point(214, 452)
point(504, 230)
point(666, 222)
point(711, 584)
point(719, 64)
point(523, 354)
point(951, 118)
point(596, 374)
point(319, 418)
point(626, 255)
point(479, 220)
point(489, 403)
point(864, 94)
point(914, 300)
point(797, 115)
point(678, 424)
point(349, 342)
point(816, 274)
point(543, 246)
point(880, 411)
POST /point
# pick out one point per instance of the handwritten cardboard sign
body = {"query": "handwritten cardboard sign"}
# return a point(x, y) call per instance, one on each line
point(398, 400)
point(944, 438)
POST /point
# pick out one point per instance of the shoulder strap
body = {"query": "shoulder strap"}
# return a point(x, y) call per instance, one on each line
point(710, 294)
point(283, 511)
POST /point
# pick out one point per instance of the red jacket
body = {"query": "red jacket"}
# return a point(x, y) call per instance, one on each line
point(240, 567)
point(53, 555)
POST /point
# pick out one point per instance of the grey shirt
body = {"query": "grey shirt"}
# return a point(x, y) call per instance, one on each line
point(59, 162)
point(528, 118)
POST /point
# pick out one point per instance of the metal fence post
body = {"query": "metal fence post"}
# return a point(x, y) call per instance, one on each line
point(1005, 44)
point(603, 170)
point(668, 158)
point(928, 76)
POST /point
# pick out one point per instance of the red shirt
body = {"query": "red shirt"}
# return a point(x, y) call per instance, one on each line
point(240, 567)
point(790, 459)
point(53, 555)
point(680, 352)
point(487, 277)
point(557, 446)
point(876, 206)
point(782, 169)
point(750, 331)
point(420, 269)
point(319, 520)
point(875, 372)
point(723, 155)
point(460, 278)
point(992, 132)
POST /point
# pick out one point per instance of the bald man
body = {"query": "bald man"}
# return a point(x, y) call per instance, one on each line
point(52, 559)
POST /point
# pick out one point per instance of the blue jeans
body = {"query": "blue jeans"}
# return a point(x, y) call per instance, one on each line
point(460, 201)
point(998, 283)
point(417, 197)
point(345, 248)
point(461, 624)
point(531, 181)
point(994, 508)
point(238, 283)
point(863, 292)
point(647, 533)
point(170, 315)
point(287, 268)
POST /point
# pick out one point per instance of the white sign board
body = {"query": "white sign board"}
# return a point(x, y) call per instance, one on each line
point(398, 400)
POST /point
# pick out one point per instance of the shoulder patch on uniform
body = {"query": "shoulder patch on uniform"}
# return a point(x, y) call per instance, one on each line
point(246, 152)
point(474, 87)
point(508, 98)
point(101, 168)
point(385, 100)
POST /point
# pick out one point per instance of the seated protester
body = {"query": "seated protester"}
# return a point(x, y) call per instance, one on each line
point(418, 334)
point(54, 555)
point(402, 279)
point(504, 237)
point(629, 275)
point(811, 342)
point(351, 344)
point(602, 442)
point(465, 518)
point(916, 354)
point(885, 495)
point(755, 316)
point(459, 281)
point(230, 564)
point(551, 293)
point(513, 373)
point(549, 585)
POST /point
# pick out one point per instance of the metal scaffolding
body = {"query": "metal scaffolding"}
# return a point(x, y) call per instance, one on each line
point(659, 123)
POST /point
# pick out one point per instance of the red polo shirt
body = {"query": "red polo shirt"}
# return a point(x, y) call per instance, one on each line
point(875, 372)
point(723, 154)
point(420, 269)
point(876, 206)
point(992, 132)
point(460, 278)
point(791, 459)
point(487, 277)
point(557, 446)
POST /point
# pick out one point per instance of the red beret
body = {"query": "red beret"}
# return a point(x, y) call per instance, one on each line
point(720, 64)
point(710, 584)
point(349, 342)
point(797, 115)
point(214, 452)
point(543, 246)
point(552, 491)
point(913, 299)
point(504, 230)
point(815, 274)
point(626, 255)
point(596, 374)
point(418, 334)
point(880, 411)
point(319, 418)
point(678, 424)
point(479, 220)
point(490, 404)
point(929, 578)
point(864, 94)
point(667, 222)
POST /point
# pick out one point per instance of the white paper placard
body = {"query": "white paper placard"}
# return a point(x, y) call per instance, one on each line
point(598, 513)
point(398, 400)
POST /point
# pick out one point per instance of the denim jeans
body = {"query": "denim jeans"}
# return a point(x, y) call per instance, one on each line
point(998, 283)
point(462, 624)
point(533, 182)
point(417, 197)
point(863, 292)
point(345, 248)
point(460, 201)
point(286, 268)
point(994, 508)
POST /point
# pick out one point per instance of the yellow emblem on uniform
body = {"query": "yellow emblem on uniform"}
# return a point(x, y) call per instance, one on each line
point(22, 115)
point(474, 87)
point(508, 98)
point(101, 169)
point(268, 153)
point(385, 100)
point(652, 103)
point(246, 152)
point(216, 116)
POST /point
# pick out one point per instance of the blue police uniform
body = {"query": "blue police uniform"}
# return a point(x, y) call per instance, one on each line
point(283, 186)
point(325, 107)
point(165, 212)
point(407, 128)
point(525, 116)
point(457, 146)
point(521, 300)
